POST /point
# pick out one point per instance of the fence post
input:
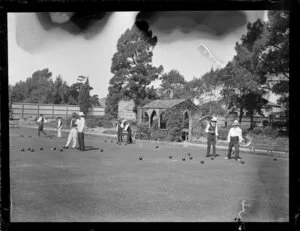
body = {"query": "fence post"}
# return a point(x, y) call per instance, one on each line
point(67, 111)
point(38, 110)
point(52, 110)
point(22, 110)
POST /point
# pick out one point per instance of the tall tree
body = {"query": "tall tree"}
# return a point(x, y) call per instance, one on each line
point(84, 97)
point(94, 100)
point(132, 65)
point(36, 89)
point(273, 55)
point(60, 91)
point(172, 85)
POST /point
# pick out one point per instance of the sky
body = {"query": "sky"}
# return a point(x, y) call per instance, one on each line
point(71, 44)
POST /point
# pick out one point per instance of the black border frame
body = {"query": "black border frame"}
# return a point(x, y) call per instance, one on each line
point(136, 5)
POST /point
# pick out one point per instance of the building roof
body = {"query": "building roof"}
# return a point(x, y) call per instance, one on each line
point(164, 104)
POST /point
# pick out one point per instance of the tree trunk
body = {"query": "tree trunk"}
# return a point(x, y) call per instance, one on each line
point(138, 114)
point(251, 121)
point(241, 115)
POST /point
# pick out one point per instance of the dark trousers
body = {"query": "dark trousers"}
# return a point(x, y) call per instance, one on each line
point(234, 142)
point(40, 129)
point(81, 141)
point(211, 140)
point(129, 138)
point(120, 136)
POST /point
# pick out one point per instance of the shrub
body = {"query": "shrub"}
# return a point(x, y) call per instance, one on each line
point(198, 128)
point(265, 123)
point(143, 132)
point(223, 133)
point(107, 117)
point(107, 124)
point(175, 125)
point(159, 134)
point(269, 131)
point(91, 121)
point(257, 130)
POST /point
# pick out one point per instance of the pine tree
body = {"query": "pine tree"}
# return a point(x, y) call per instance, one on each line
point(132, 67)
point(84, 97)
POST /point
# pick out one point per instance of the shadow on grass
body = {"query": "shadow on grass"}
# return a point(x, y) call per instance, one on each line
point(90, 148)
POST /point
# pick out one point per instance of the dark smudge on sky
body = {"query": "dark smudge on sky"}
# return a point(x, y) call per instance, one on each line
point(79, 23)
point(85, 24)
point(211, 24)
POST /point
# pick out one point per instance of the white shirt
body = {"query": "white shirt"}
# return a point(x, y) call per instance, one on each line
point(216, 129)
point(127, 125)
point(40, 118)
point(117, 127)
point(235, 131)
point(59, 123)
point(80, 124)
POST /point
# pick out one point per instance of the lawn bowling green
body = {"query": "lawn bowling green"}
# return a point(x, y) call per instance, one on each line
point(114, 185)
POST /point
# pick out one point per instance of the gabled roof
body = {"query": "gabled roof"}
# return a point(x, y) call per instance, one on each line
point(164, 104)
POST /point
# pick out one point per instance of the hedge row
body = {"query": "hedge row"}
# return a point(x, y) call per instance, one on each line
point(145, 133)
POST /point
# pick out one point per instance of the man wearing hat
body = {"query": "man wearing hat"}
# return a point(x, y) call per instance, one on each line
point(120, 125)
point(80, 126)
point(234, 138)
point(212, 133)
point(129, 131)
point(41, 120)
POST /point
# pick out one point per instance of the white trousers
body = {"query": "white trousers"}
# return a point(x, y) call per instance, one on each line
point(59, 132)
point(72, 136)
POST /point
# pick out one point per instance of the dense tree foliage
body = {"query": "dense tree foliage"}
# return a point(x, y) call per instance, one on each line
point(172, 85)
point(84, 97)
point(132, 67)
point(42, 88)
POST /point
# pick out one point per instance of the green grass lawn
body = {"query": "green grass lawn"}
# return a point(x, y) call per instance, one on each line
point(114, 185)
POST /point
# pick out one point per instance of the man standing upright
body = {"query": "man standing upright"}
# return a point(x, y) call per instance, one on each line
point(212, 133)
point(119, 131)
point(80, 126)
point(41, 120)
point(234, 138)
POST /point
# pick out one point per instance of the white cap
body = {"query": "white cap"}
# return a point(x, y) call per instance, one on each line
point(214, 119)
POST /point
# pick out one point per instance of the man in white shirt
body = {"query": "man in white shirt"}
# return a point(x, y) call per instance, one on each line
point(41, 120)
point(59, 126)
point(80, 122)
point(212, 133)
point(234, 138)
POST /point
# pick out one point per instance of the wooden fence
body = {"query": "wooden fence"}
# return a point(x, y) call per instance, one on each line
point(53, 110)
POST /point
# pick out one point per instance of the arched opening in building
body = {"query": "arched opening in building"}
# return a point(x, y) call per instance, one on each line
point(163, 120)
point(153, 120)
point(145, 117)
point(186, 125)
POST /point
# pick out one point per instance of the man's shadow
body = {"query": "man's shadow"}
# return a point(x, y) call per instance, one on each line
point(90, 148)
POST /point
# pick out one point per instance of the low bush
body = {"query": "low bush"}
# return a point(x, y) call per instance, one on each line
point(107, 124)
point(159, 134)
point(223, 133)
point(143, 132)
point(91, 121)
point(175, 125)
point(269, 131)
point(257, 130)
